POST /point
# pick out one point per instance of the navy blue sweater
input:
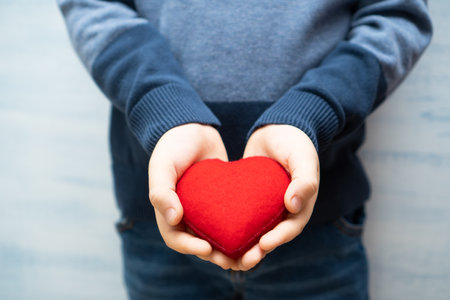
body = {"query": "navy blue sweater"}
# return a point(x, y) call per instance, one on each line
point(322, 66)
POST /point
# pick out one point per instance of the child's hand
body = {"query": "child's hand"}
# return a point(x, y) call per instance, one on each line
point(177, 150)
point(293, 149)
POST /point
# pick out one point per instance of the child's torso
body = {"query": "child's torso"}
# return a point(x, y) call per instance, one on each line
point(248, 50)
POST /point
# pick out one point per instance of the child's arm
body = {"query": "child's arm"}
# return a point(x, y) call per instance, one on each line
point(384, 41)
point(177, 150)
point(294, 150)
point(132, 64)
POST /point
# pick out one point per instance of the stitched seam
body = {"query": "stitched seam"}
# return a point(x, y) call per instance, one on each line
point(251, 240)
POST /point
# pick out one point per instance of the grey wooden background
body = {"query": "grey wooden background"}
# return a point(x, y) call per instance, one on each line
point(57, 211)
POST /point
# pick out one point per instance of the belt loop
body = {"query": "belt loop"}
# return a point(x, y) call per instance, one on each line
point(124, 224)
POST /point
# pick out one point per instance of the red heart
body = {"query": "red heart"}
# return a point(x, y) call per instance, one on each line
point(232, 204)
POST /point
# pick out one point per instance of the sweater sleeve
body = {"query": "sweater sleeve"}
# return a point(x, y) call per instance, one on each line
point(384, 40)
point(132, 64)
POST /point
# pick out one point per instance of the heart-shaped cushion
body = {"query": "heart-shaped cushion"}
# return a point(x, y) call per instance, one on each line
point(232, 204)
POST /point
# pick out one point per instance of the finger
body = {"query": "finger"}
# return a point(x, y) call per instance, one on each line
point(291, 227)
point(284, 232)
point(218, 258)
point(166, 202)
point(177, 239)
point(187, 244)
point(304, 183)
point(251, 258)
point(162, 181)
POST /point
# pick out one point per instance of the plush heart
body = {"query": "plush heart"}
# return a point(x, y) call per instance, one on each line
point(232, 204)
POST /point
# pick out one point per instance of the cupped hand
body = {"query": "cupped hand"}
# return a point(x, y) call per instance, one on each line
point(294, 150)
point(175, 152)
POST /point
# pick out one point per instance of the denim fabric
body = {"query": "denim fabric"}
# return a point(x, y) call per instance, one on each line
point(325, 262)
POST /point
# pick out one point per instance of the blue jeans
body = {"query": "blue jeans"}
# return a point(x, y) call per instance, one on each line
point(325, 262)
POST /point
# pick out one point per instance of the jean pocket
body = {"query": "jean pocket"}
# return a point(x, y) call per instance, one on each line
point(351, 225)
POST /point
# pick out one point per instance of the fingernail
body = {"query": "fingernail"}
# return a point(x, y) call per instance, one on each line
point(170, 215)
point(296, 204)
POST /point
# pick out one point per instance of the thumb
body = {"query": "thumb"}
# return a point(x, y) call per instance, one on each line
point(166, 201)
point(162, 182)
point(304, 183)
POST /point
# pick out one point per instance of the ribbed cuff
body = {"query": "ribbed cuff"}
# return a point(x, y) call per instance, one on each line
point(164, 108)
point(306, 111)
